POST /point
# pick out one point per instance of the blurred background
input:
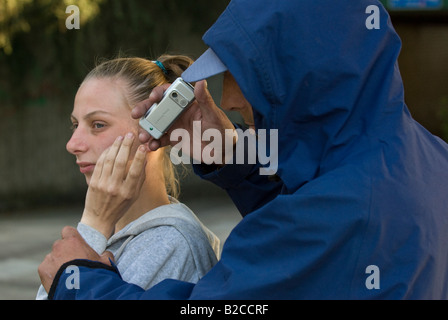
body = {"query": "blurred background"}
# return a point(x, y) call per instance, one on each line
point(42, 63)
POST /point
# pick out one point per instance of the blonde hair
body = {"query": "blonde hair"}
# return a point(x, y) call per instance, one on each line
point(141, 77)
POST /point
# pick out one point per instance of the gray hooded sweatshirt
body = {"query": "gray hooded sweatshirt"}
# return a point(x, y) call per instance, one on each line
point(168, 242)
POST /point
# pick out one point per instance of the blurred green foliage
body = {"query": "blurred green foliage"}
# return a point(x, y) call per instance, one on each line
point(40, 58)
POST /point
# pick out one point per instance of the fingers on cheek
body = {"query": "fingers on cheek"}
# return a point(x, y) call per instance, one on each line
point(120, 164)
point(140, 157)
point(113, 190)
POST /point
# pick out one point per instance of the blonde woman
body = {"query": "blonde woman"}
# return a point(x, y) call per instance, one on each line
point(158, 237)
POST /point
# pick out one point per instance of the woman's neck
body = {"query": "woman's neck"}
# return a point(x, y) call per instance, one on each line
point(152, 195)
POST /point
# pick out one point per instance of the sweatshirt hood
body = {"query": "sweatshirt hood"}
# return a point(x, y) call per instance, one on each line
point(176, 215)
point(317, 72)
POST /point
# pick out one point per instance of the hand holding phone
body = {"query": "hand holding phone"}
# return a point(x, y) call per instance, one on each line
point(176, 99)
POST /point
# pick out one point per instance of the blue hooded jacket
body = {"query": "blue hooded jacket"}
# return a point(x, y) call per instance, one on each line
point(361, 209)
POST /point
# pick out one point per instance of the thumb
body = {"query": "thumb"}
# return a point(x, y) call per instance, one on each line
point(107, 258)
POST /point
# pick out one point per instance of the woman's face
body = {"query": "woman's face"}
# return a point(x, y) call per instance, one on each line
point(100, 115)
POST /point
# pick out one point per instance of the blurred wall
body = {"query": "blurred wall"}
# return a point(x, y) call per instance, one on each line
point(34, 163)
point(424, 67)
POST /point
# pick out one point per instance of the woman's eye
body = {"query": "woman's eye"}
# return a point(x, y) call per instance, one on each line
point(98, 125)
point(74, 126)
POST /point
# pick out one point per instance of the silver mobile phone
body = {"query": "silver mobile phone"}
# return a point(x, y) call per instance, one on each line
point(176, 99)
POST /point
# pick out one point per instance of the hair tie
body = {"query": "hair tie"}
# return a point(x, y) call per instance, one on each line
point(161, 66)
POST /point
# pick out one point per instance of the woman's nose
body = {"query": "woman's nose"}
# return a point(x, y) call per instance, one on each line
point(77, 143)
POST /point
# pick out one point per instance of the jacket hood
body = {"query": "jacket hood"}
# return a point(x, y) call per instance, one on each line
point(314, 71)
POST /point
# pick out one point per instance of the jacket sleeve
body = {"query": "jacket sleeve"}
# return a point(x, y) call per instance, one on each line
point(90, 280)
point(246, 187)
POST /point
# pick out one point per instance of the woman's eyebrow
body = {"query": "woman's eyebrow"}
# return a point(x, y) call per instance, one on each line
point(90, 115)
point(95, 113)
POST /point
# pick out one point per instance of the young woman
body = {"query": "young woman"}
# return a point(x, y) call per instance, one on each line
point(158, 237)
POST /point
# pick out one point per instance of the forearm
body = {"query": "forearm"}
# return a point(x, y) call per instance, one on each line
point(104, 226)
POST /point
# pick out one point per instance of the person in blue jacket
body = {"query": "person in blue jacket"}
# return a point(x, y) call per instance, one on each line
point(358, 208)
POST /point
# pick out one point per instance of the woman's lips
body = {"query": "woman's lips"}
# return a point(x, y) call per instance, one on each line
point(86, 167)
